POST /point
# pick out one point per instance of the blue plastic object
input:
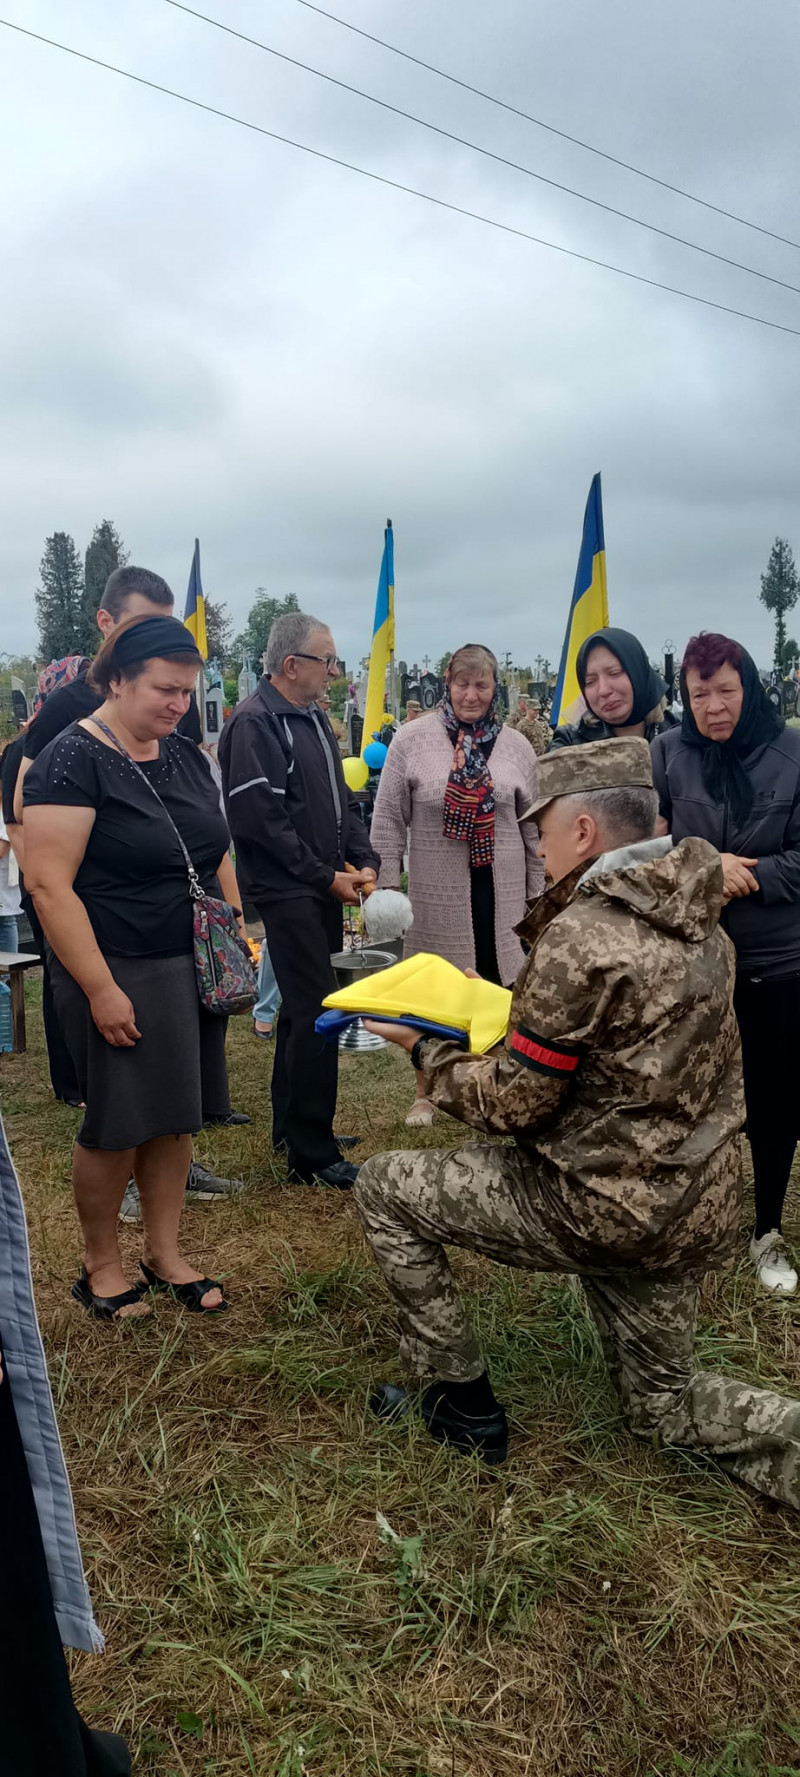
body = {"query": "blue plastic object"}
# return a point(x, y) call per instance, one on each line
point(375, 755)
point(5, 1019)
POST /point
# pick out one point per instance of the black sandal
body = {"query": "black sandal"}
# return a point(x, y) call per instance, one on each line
point(105, 1307)
point(190, 1295)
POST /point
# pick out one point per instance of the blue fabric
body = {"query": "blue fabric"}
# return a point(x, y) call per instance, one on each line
point(23, 1354)
point(330, 1024)
point(269, 993)
point(8, 932)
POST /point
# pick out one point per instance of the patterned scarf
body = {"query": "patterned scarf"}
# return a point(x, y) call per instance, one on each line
point(469, 796)
point(59, 672)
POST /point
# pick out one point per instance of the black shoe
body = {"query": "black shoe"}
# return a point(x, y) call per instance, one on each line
point(485, 1432)
point(387, 1401)
point(233, 1120)
point(347, 1141)
point(203, 1186)
point(341, 1176)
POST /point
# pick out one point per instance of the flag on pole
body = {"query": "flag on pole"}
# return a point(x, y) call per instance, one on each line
point(589, 608)
point(382, 642)
point(194, 614)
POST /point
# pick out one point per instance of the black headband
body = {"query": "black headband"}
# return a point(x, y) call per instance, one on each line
point(154, 638)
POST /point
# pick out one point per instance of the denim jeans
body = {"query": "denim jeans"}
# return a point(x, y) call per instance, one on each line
point(268, 990)
point(8, 932)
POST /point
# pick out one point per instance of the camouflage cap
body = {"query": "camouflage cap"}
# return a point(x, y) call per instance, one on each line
point(599, 765)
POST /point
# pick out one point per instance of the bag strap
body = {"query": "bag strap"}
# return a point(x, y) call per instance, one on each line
point(195, 887)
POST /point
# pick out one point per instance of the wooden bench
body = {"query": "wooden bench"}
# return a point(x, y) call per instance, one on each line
point(13, 964)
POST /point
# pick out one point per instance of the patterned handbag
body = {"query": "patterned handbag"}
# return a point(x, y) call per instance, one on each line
point(223, 966)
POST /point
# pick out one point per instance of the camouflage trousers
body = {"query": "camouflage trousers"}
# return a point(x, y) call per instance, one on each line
point(484, 1198)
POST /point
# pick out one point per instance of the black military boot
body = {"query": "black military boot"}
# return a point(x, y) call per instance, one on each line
point(466, 1424)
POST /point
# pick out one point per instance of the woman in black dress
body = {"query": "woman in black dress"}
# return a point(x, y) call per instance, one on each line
point(110, 886)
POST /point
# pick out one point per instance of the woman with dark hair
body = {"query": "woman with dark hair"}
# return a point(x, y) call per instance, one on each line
point(451, 794)
point(731, 774)
point(623, 693)
point(110, 884)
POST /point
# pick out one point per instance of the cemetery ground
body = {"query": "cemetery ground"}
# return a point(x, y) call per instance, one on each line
point(288, 1587)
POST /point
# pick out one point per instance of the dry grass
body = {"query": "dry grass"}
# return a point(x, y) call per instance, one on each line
point(591, 1608)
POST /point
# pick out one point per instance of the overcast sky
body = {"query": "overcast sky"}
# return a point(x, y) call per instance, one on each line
point(207, 333)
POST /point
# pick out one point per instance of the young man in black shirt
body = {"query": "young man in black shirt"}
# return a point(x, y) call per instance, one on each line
point(129, 592)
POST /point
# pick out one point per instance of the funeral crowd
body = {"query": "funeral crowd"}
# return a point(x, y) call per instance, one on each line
point(633, 877)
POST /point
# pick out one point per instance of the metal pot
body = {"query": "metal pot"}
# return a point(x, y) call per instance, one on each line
point(351, 965)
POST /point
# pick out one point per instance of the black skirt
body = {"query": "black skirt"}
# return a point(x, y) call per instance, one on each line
point(172, 1079)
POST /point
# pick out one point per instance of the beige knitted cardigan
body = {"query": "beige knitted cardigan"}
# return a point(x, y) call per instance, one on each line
point(409, 810)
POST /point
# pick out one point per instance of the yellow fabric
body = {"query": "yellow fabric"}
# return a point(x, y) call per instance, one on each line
point(427, 987)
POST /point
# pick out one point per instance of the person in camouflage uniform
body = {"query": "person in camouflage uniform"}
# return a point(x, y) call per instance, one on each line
point(620, 1083)
point(528, 720)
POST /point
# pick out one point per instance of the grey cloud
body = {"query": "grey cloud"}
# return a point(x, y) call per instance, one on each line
point(208, 333)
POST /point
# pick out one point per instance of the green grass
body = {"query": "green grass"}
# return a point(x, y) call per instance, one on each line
point(288, 1587)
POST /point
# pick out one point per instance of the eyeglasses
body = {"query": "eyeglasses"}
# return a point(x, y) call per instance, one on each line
point(328, 660)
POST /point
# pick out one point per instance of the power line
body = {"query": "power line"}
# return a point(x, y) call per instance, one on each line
point(440, 203)
point(463, 142)
point(576, 141)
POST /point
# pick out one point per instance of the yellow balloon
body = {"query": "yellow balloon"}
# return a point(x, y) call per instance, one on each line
point(356, 774)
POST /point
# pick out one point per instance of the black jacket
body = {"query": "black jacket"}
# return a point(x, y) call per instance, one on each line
point(291, 815)
point(576, 734)
point(764, 927)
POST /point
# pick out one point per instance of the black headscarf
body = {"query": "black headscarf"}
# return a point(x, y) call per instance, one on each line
point(648, 688)
point(722, 763)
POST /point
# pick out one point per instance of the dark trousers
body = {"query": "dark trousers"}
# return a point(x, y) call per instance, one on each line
point(63, 1077)
point(41, 1732)
point(768, 1012)
point(481, 882)
point(301, 935)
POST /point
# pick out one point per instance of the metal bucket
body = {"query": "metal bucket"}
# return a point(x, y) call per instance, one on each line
point(348, 966)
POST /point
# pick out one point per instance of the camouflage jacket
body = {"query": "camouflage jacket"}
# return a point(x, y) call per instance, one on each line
point(535, 730)
point(620, 1078)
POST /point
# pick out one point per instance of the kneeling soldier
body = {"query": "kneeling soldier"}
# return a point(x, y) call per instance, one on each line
point(620, 1081)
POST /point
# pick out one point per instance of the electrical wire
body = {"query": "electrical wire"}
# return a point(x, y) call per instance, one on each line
point(515, 111)
point(463, 142)
point(396, 185)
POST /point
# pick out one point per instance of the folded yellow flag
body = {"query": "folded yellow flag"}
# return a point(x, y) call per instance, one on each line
point(427, 991)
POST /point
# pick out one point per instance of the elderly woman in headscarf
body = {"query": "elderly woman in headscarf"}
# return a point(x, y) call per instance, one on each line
point(452, 791)
point(622, 692)
point(731, 774)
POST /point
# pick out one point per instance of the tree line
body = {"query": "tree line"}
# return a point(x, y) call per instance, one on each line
point(71, 589)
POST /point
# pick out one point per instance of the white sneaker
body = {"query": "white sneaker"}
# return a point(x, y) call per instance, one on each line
point(773, 1267)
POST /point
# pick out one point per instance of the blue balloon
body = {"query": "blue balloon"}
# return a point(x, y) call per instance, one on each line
point(375, 755)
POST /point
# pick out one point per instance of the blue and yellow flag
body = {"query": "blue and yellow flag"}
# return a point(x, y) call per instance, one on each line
point(382, 642)
point(194, 613)
point(589, 608)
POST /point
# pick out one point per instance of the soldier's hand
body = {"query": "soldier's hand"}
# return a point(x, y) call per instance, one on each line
point(737, 876)
point(471, 974)
point(404, 1035)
